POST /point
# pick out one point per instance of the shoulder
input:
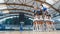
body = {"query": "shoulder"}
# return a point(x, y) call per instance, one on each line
point(44, 7)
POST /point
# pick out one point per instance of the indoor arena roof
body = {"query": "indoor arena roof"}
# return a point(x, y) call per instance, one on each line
point(26, 6)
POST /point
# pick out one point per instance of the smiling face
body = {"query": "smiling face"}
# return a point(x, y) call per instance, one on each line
point(35, 8)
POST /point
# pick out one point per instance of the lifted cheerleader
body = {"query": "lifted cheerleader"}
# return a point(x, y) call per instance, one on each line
point(42, 20)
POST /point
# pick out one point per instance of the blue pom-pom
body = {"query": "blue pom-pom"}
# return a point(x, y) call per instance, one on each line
point(44, 9)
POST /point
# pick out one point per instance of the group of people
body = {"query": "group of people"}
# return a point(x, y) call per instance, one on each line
point(42, 20)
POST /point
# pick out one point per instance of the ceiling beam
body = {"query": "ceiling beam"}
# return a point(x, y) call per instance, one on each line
point(18, 9)
point(23, 10)
point(19, 12)
point(31, 5)
point(16, 4)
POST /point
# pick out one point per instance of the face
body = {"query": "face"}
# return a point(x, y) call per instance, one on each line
point(35, 8)
point(40, 6)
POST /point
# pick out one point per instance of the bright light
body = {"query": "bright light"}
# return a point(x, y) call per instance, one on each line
point(1, 1)
point(30, 18)
point(5, 11)
point(58, 19)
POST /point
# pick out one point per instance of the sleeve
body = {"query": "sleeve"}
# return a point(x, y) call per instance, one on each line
point(44, 8)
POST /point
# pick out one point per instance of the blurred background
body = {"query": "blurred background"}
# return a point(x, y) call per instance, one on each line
point(13, 13)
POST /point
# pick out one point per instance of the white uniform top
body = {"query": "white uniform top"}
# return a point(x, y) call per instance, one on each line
point(41, 18)
point(36, 18)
